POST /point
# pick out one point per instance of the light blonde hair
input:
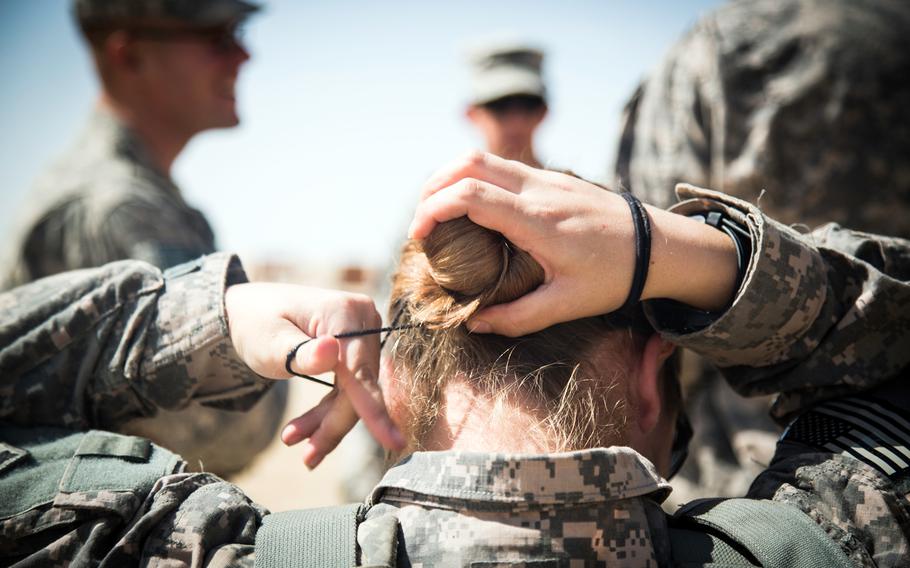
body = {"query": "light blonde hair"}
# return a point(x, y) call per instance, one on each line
point(572, 377)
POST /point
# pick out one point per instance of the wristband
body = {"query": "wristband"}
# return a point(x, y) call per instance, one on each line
point(642, 225)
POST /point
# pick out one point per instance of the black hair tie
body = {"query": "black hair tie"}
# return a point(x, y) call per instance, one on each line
point(292, 354)
point(642, 226)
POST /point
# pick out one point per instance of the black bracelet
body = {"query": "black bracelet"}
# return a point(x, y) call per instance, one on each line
point(642, 225)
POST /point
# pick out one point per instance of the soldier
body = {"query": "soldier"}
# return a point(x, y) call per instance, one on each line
point(801, 107)
point(807, 320)
point(167, 71)
point(508, 100)
point(508, 104)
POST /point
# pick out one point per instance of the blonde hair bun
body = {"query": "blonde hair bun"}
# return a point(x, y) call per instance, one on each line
point(462, 268)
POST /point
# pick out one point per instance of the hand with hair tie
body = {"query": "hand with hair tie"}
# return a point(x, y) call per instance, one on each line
point(582, 236)
point(283, 329)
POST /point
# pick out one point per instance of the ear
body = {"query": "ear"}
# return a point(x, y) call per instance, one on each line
point(120, 51)
point(653, 356)
point(471, 113)
point(542, 114)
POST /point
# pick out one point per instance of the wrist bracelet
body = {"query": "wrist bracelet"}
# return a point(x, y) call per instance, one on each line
point(642, 225)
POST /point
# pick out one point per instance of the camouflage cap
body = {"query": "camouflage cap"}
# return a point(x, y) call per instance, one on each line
point(196, 13)
point(505, 70)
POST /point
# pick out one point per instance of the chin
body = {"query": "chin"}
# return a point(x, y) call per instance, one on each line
point(225, 121)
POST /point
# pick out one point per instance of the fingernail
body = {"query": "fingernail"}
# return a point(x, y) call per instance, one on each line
point(310, 458)
point(411, 230)
point(288, 434)
point(479, 326)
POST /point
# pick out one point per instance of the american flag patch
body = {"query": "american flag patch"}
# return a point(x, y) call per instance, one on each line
point(871, 431)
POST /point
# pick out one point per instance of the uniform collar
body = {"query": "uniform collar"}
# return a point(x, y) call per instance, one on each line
point(587, 476)
point(118, 139)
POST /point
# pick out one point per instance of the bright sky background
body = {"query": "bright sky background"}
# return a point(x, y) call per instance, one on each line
point(347, 107)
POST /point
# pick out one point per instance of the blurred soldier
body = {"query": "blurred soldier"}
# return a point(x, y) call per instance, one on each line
point(799, 106)
point(167, 71)
point(508, 100)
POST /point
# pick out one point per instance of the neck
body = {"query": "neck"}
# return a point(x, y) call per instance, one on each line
point(523, 154)
point(162, 143)
point(471, 422)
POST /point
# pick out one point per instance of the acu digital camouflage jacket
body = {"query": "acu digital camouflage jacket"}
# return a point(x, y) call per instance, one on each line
point(819, 317)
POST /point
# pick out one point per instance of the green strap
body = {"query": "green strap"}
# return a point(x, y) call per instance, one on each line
point(777, 535)
point(309, 538)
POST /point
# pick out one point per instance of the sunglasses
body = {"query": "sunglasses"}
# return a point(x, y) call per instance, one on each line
point(520, 104)
point(222, 39)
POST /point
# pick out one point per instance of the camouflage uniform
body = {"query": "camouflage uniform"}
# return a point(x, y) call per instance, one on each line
point(105, 200)
point(805, 103)
point(818, 317)
point(800, 106)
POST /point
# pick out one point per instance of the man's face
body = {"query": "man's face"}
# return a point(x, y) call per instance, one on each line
point(509, 123)
point(190, 78)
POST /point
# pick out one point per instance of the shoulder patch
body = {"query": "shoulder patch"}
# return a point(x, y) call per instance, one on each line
point(871, 431)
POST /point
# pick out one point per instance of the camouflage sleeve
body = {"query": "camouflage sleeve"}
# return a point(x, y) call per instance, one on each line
point(98, 347)
point(190, 518)
point(156, 227)
point(817, 316)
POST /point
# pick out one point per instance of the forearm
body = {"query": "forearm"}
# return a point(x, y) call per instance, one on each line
point(809, 321)
point(94, 348)
point(691, 262)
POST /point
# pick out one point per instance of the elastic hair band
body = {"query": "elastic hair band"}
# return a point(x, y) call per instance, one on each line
point(642, 225)
point(293, 352)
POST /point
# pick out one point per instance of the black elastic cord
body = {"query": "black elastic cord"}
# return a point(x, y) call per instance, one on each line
point(642, 225)
point(293, 352)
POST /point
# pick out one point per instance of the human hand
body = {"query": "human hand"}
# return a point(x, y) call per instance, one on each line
point(582, 236)
point(268, 320)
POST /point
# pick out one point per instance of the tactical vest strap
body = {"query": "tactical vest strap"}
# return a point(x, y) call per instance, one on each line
point(309, 538)
point(775, 534)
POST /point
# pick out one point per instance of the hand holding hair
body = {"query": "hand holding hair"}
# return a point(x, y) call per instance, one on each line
point(268, 320)
point(582, 235)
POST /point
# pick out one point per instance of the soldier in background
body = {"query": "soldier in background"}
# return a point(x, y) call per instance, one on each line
point(167, 71)
point(508, 100)
point(799, 106)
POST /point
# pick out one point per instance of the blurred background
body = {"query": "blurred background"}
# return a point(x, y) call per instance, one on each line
point(346, 108)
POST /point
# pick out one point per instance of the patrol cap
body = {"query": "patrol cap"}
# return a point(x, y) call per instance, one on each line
point(194, 13)
point(505, 70)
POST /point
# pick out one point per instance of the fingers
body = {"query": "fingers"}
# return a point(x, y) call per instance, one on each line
point(484, 203)
point(358, 377)
point(303, 426)
point(532, 312)
point(323, 427)
point(317, 356)
point(478, 165)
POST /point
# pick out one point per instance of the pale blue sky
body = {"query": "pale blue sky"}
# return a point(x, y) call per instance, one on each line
point(347, 106)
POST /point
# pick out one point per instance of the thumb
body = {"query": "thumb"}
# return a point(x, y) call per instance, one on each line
point(532, 312)
point(317, 355)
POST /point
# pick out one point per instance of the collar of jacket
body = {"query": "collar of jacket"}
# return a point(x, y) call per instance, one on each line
point(111, 137)
point(580, 477)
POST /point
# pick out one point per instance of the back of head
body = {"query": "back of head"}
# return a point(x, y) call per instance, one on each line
point(807, 101)
point(571, 377)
